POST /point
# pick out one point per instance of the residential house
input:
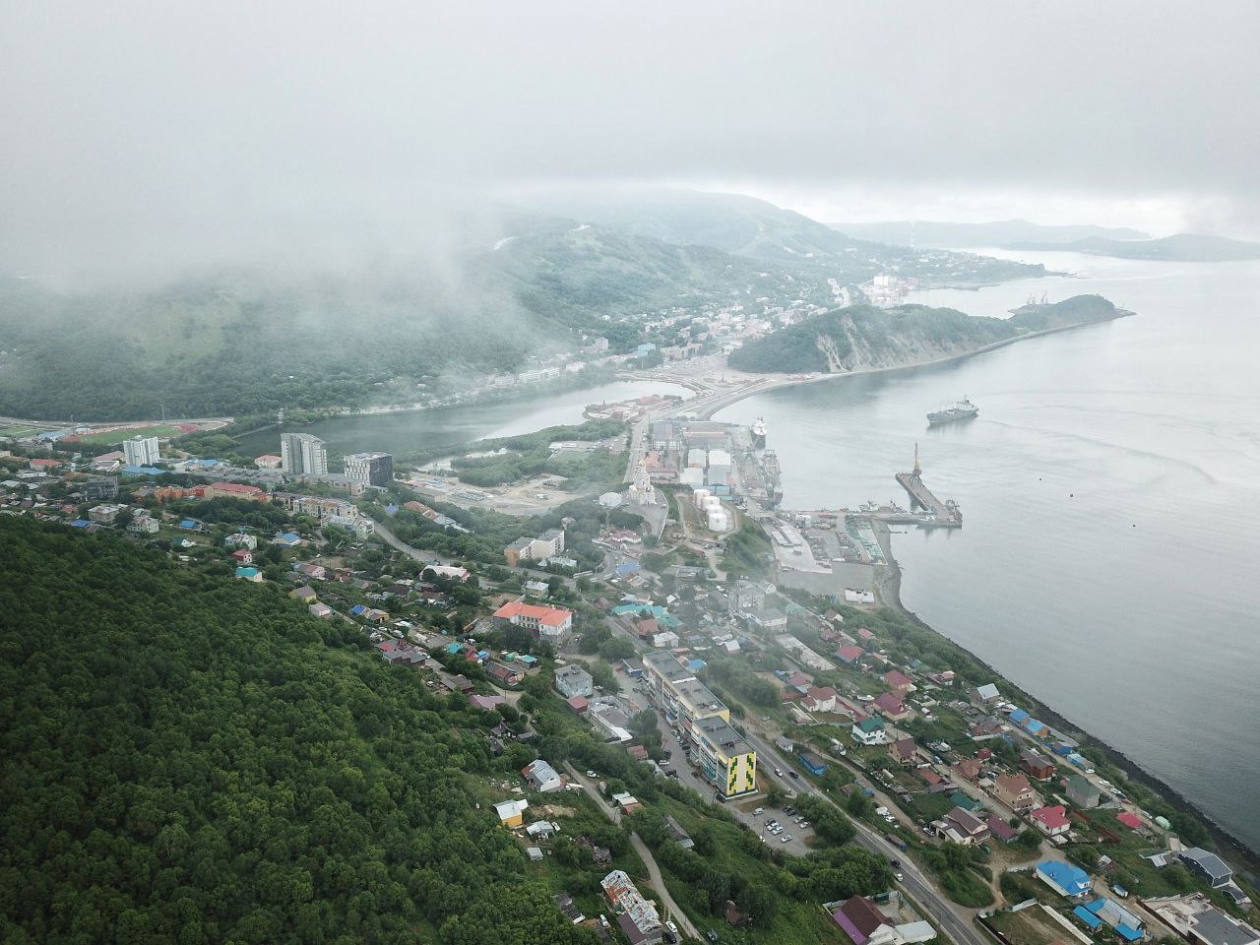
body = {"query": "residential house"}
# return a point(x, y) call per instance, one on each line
point(1036, 765)
point(485, 702)
point(306, 595)
point(870, 732)
point(1015, 792)
point(1109, 912)
point(862, 921)
point(503, 674)
point(678, 834)
point(969, 769)
point(542, 777)
point(1213, 927)
point(965, 827)
point(1207, 865)
point(849, 655)
point(904, 750)
point(945, 678)
point(1082, 793)
point(985, 694)
point(1064, 878)
point(511, 813)
point(1000, 828)
point(637, 917)
point(898, 681)
point(234, 490)
point(243, 556)
point(253, 575)
point(819, 699)
point(1052, 821)
point(574, 681)
point(322, 611)
point(541, 829)
point(892, 707)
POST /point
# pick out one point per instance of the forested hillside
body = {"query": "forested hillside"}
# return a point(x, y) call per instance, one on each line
point(863, 337)
point(192, 760)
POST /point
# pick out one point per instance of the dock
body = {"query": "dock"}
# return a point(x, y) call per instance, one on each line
point(940, 514)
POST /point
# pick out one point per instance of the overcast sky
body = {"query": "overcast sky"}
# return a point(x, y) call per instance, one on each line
point(134, 132)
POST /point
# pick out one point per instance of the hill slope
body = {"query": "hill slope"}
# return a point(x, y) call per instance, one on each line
point(190, 759)
point(862, 337)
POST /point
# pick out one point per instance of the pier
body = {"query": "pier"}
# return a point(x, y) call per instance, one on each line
point(939, 514)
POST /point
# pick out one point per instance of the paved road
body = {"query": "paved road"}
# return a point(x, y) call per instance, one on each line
point(954, 920)
point(658, 883)
point(654, 871)
point(395, 542)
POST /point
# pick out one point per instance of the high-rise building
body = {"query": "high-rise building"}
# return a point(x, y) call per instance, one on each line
point(302, 454)
point(142, 450)
point(374, 469)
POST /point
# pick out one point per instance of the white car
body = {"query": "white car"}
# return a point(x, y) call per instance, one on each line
point(785, 839)
point(591, 774)
point(758, 811)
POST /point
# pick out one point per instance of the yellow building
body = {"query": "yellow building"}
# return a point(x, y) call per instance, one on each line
point(726, 760)
point(511, 813)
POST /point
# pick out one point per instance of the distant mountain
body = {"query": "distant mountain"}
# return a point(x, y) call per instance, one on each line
point(252, 340)
point(1184, 247)
point(998, 233)
point(862, 337)
point(753, 228)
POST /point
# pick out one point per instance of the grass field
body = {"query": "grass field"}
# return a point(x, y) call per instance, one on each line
point(117, 436)
point(1027, 927)
point(19, 431)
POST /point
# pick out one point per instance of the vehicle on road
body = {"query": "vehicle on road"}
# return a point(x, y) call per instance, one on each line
point(591, 774)
point(758, 811)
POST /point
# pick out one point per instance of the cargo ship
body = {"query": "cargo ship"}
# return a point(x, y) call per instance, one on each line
point(758, 430)
point(963, 410)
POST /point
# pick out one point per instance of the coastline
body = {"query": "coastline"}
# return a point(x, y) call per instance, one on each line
point(888, 591)
point(771, 382)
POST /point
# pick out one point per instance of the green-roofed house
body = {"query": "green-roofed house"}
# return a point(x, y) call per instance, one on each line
point(870, 732)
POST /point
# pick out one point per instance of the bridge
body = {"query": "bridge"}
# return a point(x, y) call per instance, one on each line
point(944, 514)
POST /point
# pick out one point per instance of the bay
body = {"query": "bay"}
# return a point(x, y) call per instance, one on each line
point(407, 431)
point(1110, 487)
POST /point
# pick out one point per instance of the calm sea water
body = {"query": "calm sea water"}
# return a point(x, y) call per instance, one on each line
point(1109, 561)
point(401, 433)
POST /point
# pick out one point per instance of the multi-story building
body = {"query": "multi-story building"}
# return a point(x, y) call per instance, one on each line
point(303, 454)
point(548, 624)
point(637, 917)
point(574, 681)
point(726, 760)
point(142, 451)
point(374, 469)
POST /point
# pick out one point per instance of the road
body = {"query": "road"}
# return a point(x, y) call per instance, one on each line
point(954, 920)
point(654, 872)
point(428, 557)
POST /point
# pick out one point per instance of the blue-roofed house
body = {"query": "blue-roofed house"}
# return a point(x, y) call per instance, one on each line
point(142, 471)
point(1088, 918)
point(628, 568)
point(391, 510)
point(1019, 717)
point(1126, 923)
point(80, 523)
point(253, 575)
point(190, 526)
point(287, 539)
point(358, 610)
point(1067, 880)
point(696, 665)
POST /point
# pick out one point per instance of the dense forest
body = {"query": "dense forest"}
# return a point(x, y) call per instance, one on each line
point(189, 759)
point(863, 336)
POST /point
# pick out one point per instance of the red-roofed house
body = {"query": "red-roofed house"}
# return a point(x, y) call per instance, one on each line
point(799, 680)
point(862, 922)
point(549, 624)
point(848, 654)
point(45, 464)
point(895, 679)
point(968, 768)
point(930, 777)
point(243, 556)
point(903, 750)
point(864, 634)
point(1130, 820)
point(892, 707)
point(578, 704)
point(819, 700)
point(1000, 828)
point(1052, 821)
